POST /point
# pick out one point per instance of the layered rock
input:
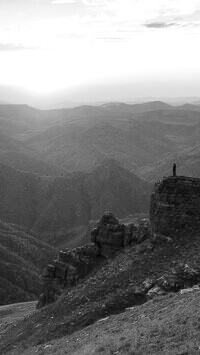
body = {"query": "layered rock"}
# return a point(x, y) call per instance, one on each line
point(71, 266)
point(175, 206)
point(108, 237)
point(111, 236)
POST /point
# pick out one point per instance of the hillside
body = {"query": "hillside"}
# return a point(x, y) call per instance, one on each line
point(50, 204)
point(149, 267)
point(110, 290)
point(20, 196)
point(22, 259)
point(16, 154)
point(165, 325)
point(134, 139)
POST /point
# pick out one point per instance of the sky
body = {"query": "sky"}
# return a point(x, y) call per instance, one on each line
point(100, 49)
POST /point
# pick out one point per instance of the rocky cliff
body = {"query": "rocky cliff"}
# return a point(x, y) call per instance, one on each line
point(175, 206)
point(174, 209)
point(125, 266)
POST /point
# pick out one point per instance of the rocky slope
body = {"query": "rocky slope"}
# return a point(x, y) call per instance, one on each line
point(166, 325)
point(146, 268)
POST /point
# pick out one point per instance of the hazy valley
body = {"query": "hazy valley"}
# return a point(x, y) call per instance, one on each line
point(79, 139)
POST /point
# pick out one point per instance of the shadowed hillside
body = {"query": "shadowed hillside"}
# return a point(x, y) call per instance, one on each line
point(53, 204)
point(22, 259)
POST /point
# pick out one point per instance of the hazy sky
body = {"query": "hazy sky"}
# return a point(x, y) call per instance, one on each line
point(148, 47)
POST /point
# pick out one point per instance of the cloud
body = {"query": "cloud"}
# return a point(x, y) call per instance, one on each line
point(13, 47)
point(100, 3)
point(90, 20)
point(160, 25)
point(60, 2)
point(87, 3)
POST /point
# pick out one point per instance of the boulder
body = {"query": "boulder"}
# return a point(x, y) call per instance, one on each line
point(148, 284)
point(155, 292)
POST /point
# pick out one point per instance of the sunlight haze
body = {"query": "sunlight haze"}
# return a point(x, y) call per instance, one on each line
point(150, 48)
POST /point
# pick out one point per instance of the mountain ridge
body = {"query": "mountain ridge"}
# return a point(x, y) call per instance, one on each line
point(53, 203)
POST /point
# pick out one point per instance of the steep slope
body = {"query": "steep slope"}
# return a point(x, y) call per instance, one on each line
point(111, 187)
point(110, 290)
point(169, 263)
point(165, 325)
point(22, 259)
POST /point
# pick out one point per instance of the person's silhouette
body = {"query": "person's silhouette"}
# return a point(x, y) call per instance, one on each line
point(174, 169)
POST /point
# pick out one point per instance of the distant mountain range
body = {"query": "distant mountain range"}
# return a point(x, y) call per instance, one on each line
point(60, 141)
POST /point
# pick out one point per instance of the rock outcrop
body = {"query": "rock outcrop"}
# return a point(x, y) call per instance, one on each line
point(111, 236)
point(182, 276)
point(175, 206)
point(174, 209)
point(108, 237)
point(71, 266)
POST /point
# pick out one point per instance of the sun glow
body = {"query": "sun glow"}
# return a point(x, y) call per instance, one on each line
point(79, 63)
point(111, 42)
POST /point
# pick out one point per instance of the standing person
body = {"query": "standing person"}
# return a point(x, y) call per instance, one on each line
point(174, 169)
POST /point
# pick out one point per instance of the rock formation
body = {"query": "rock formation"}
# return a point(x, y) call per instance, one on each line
point(108, 238)
point(175, 206)
point(71, 266)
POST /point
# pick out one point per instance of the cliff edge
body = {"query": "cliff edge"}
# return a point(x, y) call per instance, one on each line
point(175, 206)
